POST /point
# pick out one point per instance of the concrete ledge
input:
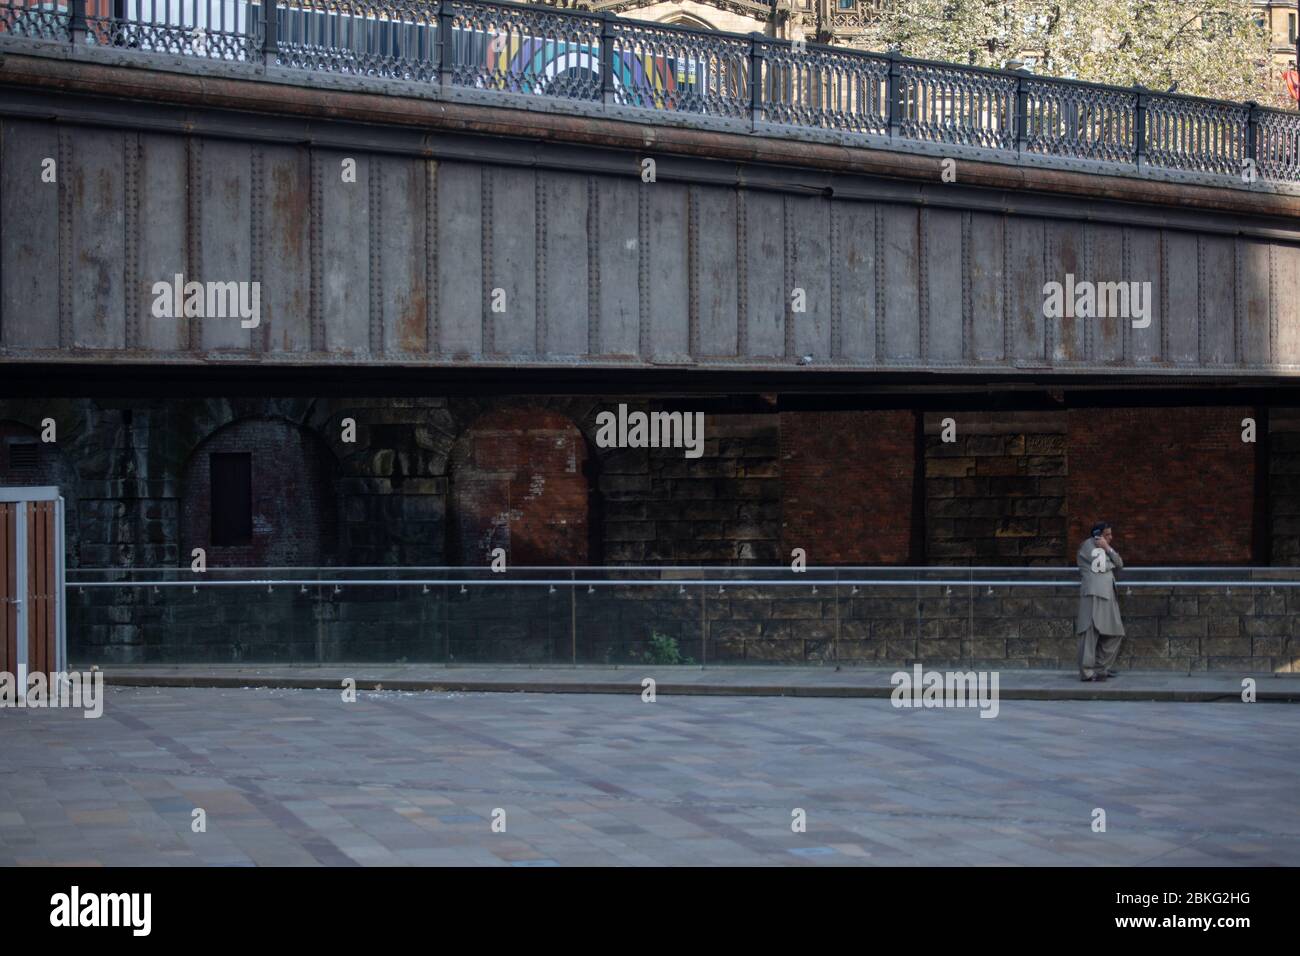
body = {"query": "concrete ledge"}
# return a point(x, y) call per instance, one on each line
point(757, 681)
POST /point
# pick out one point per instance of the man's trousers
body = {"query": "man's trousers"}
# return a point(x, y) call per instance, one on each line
point(1097, 652)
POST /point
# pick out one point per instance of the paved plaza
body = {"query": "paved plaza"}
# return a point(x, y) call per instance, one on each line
point(298, 777)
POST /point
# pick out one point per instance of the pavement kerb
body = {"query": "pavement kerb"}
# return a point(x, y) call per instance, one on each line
point(127, 679)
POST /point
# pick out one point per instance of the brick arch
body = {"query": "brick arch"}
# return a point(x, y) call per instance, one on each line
point(521, 479)
point(295, 516)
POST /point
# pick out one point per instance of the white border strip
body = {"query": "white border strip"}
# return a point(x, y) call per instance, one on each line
point(20, 597)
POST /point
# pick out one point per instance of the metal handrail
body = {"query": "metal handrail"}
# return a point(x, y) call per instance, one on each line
point(680, 583)
point(957, 111)
point(1275, 569)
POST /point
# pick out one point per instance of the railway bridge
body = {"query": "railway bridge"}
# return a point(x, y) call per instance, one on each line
point(321, 284)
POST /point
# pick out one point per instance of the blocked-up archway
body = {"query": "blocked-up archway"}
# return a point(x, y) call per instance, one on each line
point(519, 481)
point(26, 461)
point(259, 493)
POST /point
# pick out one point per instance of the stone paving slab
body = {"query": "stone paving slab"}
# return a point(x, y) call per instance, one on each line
point(754, 681)
point(298, 777)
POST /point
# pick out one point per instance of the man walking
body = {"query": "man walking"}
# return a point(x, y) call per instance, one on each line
point(1099, 626)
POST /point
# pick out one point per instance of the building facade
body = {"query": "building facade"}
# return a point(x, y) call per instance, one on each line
point(1279, 16)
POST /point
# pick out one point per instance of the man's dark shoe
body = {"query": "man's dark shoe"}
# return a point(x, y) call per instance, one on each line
point(1094, 677)
point(1112, 673)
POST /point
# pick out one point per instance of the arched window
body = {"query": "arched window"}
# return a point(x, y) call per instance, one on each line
point(687, 20)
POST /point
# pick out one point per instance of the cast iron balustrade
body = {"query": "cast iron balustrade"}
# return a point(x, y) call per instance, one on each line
point(676, 68)
point(41, 21)
point(518, 49)
point(754, 81)
point(1277, 147)
point(212, 29)
point(823, 86)
point(398, 40)
point(1200, 135)
point(940, 103)
point(1080, 120)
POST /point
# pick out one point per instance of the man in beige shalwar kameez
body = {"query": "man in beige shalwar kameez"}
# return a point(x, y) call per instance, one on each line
point(1099, 626)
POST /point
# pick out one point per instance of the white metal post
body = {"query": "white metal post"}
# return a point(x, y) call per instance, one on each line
point(20, 597)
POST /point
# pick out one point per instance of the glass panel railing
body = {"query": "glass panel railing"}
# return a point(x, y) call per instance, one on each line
point(1176, 618)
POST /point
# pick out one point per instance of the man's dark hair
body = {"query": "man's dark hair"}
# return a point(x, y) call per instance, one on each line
point(1099, 527)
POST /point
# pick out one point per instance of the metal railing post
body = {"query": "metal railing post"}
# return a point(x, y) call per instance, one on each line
point(607, 59)
point(894, 93)
point(446, 56)
point(1140, 128)
point(77, 21)
point(756, 79)
point(1252, 136)
point(270, 32)
point(704, 626)
point(1022, 113)
point(835, 647)
point(573, 616)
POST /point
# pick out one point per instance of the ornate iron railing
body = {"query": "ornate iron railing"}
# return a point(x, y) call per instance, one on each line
point(619, 64)
point(41, 21)
point(346, 36)
point(941, 103)
point(517, 49)
point(1200, 135)
point(676, 68)
point(213, 29)
point(1278, 146)
point(824, 87)
point(1088, 122)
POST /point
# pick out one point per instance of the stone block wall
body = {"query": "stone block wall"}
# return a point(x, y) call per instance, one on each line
point(659, 507)
point(996, 494)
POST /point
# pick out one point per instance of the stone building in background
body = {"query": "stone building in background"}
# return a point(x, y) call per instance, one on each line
point(1279, 16)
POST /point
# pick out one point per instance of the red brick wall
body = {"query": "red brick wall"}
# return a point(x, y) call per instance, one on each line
point(295, 518)
point(847, 485)
point(519, 482)
point(1178, 484)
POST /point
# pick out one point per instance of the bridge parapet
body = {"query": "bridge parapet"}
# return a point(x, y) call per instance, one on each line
point(546, 57)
